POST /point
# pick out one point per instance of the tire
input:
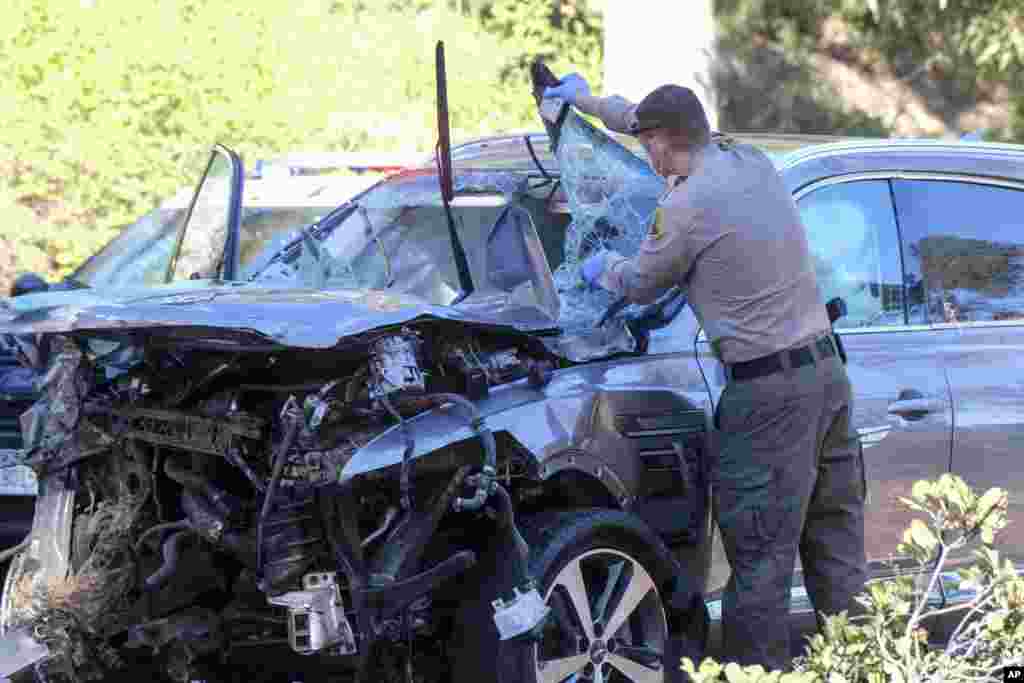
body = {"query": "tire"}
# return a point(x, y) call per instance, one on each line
point(619, 633)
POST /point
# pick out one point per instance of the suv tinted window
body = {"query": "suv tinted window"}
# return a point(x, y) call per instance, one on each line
point(964, 250)
point(852, 232)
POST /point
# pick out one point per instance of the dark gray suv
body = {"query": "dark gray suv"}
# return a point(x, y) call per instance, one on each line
point(406, 437)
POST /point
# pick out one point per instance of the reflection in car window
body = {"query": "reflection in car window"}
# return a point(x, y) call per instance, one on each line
point(264, 231)
point(964, 250)
point(408, 249)
point(200, 254)
point(138, 256)
point(852, 232)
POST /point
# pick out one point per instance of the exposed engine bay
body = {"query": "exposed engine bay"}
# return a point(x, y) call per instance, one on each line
point(370, 458)
point(219, 491)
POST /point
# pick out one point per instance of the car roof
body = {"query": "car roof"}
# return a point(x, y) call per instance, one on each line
point(802, 159)
point(512, 151)
point(807, 165)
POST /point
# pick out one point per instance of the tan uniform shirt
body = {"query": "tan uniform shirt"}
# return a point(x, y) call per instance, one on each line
point(731, 235)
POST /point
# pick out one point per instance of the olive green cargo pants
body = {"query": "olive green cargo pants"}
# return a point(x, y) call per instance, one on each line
point(787, 477)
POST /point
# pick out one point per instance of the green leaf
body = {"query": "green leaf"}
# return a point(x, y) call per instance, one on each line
point(921, 490)
point(991, 500)
point(922, 536)
point(735, 674)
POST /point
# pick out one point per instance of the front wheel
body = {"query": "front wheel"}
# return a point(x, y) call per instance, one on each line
point(604, 585)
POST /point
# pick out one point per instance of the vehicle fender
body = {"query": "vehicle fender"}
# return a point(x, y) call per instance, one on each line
point(571, 425)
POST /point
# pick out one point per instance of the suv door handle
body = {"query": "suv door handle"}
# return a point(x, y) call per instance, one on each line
point(916, 408)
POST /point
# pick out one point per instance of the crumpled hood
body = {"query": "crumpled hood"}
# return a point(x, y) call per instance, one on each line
point(303, 318)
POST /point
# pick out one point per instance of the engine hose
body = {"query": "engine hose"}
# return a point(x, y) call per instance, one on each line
point(405, 478)
point(275, 478)
point(486, 480)
point(190, 480)
point(507, 522)
point(180, 525)
point(209, 524)
point(171, 554)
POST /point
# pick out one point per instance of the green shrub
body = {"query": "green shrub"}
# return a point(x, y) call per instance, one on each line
point(889, 643)
point(106, 106)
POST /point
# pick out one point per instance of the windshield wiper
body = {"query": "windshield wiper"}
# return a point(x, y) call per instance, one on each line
point(443, 154)
point(318, 230)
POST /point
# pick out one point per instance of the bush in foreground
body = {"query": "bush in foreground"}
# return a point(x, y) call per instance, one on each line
point(889, 643)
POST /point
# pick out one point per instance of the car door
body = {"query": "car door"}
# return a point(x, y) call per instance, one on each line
point(207, 243)
point(902, 407)
point(964, 247)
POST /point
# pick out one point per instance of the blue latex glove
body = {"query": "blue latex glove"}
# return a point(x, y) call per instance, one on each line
point(572, 87)
point(593, 267)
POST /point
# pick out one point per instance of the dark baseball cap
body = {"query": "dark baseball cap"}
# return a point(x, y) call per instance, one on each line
point(674, 107)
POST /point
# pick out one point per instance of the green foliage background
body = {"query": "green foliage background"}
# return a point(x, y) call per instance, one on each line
point(108, 106)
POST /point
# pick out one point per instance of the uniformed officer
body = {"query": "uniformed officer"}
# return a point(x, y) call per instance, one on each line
point(787, 475)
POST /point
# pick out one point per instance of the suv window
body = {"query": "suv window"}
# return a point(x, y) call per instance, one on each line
point(202, 241)
point(851, 228)
point(964, 250)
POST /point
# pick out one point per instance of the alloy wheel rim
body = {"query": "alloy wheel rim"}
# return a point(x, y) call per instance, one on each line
point(607, 625)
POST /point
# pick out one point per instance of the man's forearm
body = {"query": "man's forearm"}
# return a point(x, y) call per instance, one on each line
point(635, 280)
point(617, 113)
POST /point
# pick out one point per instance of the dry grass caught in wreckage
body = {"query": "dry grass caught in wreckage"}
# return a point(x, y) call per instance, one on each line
point(69, 615)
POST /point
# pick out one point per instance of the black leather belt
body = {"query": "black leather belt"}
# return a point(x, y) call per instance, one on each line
point(767, 365)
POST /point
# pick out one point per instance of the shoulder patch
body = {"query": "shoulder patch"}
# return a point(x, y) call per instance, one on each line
point(658, 226)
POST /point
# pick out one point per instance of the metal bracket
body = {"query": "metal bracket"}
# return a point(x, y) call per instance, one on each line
point(316, 616)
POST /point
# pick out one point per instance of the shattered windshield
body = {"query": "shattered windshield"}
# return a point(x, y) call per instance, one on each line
point(396, 237)
point(612, 195)
point(521, 251)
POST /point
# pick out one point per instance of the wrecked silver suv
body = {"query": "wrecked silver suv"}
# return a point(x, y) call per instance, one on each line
point(402, 442)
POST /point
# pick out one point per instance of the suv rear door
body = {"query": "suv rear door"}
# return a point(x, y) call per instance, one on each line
point(902, 407)
point(964, 250)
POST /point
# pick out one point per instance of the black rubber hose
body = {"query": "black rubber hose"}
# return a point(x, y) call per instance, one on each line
point(171, 553)
point(275, 478)
point(405, 476)
point(190, 480)
point(208, 523)
point(478, 425)
point(507, 522)
point(180, 525)
point(486, 479)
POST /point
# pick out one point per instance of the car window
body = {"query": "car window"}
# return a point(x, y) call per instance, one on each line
point(264, 231)
point(138, 256)
point(201, 248)
point(964, 250)
point(408, 249)
point(851, 229)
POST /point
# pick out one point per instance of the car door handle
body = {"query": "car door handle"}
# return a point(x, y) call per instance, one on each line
point(916, 408)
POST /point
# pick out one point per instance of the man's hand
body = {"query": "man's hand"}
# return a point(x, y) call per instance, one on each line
point(571, 88)
point(593, 267)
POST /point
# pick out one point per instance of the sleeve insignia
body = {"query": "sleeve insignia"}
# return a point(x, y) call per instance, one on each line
point(658, 226)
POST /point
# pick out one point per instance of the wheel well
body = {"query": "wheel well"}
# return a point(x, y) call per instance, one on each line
point(571, 488)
